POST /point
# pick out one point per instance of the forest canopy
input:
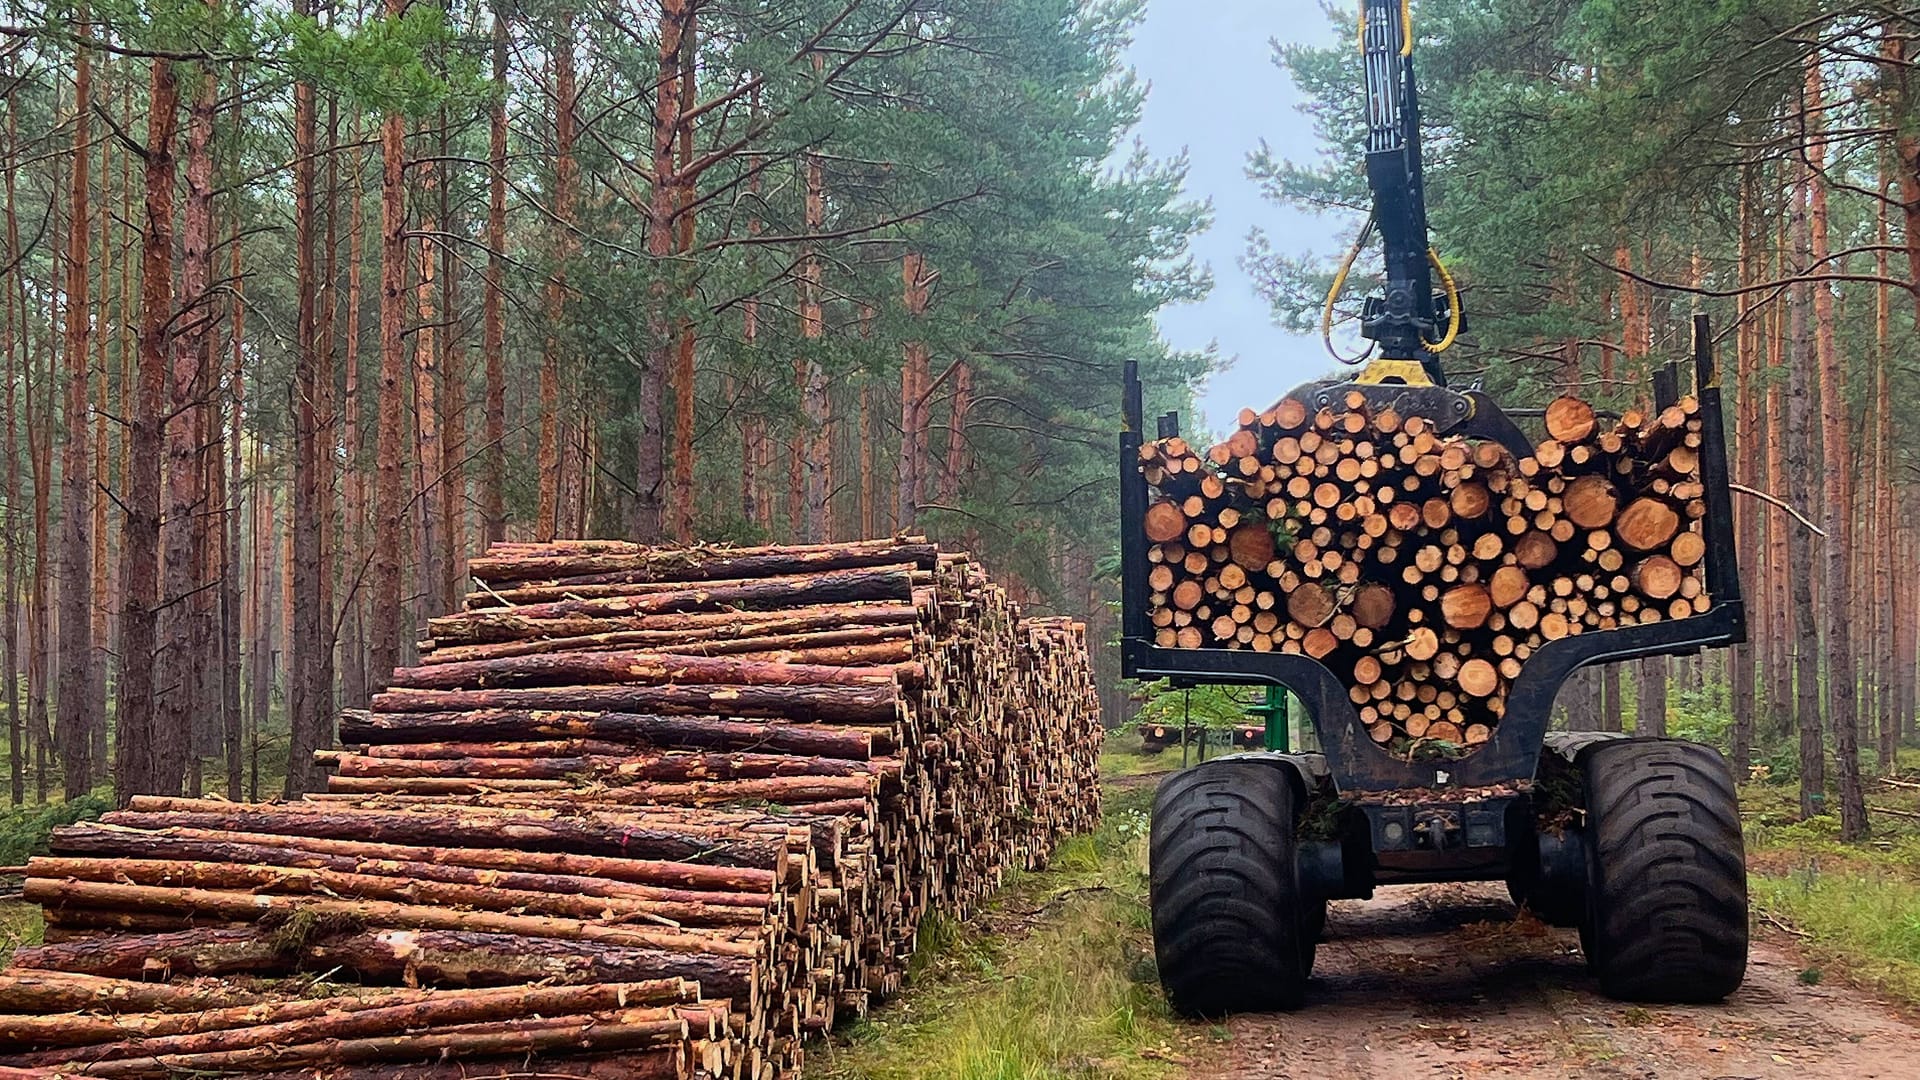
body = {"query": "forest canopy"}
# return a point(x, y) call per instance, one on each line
point(306, 305)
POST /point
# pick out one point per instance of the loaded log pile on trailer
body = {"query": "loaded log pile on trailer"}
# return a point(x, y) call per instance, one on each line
point(653, 812)
point(1423, 569)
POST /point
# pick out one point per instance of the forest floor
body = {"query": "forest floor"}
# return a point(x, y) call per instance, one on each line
point(1055, 979)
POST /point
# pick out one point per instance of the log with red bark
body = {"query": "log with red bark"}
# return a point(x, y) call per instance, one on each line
point(615, 835)
point(677, 732)
point(300, 1020)
point(638, 563)
point(667, 609)
point(856, 704)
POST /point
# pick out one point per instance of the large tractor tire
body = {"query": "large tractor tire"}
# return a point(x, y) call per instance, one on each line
point(1667, 907)
point(1229, 921)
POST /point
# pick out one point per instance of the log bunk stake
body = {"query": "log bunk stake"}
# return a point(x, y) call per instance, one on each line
point(1423, 569)
point(637, 812)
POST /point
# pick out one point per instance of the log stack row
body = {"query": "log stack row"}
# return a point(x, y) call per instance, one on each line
point(660, 813)
point(1423, 568)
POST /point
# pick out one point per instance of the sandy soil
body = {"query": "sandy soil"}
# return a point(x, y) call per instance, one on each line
point(1441, 981)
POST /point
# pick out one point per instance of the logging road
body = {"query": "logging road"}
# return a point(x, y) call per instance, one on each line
point(1440, 981)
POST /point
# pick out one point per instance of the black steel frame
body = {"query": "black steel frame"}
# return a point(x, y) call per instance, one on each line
point(1357, 764)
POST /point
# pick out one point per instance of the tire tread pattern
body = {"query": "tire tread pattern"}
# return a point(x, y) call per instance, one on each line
point(1226, 926)
point(1668, 907)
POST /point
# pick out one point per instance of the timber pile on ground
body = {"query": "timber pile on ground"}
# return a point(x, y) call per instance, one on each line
point(1423, 569)
point(660, 813)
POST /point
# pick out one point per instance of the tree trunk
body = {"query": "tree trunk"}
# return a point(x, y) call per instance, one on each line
point(103, 585)
point(353, 529)
point(16, 350)
point(233, 730)
point(429, 453)
point(181, 656)
point(1842, 689)
point(1800, 565)
point(40, 608)
point(1747, 516)
point(663, 201)
point(1650, 698)
point(1885, 602)
point(554, 480)
point(138, 768)
point(74, 729)
point(914, 377)
point(389, 500)
point(309, 633)
point(958, 458)
point(813, 329)
point(494, 337)
point(685, 346)
point(453, 390)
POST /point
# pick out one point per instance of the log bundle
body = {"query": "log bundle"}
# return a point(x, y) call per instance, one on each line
point(1423, 569)
point(658, 813)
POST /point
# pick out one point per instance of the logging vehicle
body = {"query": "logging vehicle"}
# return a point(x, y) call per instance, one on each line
point(1425, 576)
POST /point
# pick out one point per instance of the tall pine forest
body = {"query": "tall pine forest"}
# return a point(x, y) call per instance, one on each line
point(1600, 171)
point(304, 307)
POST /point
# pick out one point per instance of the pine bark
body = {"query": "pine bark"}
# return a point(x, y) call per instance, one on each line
point(914, 389)
point(494, 335)
point(452, 463)
point(309, 633)
point(1747, 517)
point(15, 350)
point(1842, 689)
point(686, 344)
point(818, 454)
point(353, 526)
point(389, 499)
point(38, 385)
point(137, 754)
point(554, 480)
point(1884, 659)
point(187, 709)
point(74, 728)
point(663, 201)
point(232, 640)
point(1800, 563)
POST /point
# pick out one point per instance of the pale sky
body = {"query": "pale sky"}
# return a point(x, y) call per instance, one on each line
point(1216, 94)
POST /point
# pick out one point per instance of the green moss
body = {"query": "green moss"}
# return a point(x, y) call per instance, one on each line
point(303, 927)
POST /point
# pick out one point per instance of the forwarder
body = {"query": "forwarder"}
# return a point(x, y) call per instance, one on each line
point(1428, 647)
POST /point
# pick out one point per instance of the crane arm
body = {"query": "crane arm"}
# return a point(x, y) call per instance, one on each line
point(1407, 319)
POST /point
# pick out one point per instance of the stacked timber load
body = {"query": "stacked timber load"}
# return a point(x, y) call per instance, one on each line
point(1423, 569)
point(658, 812)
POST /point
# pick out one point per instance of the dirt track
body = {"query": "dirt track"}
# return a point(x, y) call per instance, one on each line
point(1440, 981)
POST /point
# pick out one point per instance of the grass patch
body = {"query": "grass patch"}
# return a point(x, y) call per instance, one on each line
point(1055, 980)
point(20, 924)
point(1856, 903)
point(1121, 756)
point(1865, 928)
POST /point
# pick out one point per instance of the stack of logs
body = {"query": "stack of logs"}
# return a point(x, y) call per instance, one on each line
point(663, 813)
point(1423, 569)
